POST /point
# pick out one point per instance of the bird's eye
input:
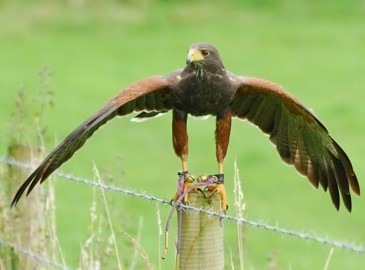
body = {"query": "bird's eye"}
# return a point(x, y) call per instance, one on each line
point(205, 52)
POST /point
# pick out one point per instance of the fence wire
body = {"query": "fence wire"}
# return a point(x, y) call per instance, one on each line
point(33, 255)
point(325, 240)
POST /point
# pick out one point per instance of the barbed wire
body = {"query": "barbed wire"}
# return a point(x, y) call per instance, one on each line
point(33, 255)
point(187, 207)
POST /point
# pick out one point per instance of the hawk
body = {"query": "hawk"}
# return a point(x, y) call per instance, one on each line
point(205, 87)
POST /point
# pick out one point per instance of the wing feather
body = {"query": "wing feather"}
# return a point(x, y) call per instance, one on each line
point(152, 93)
point(300, 138)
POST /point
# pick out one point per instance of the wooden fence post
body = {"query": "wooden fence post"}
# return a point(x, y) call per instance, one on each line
point(202, 244)
point(25, 225)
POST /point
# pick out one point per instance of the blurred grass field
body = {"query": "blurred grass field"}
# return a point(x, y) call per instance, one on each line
point(95, 48)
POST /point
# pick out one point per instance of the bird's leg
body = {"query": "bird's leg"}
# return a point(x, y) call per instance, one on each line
point(180, 137)
point(222, 134)
point(180, 143)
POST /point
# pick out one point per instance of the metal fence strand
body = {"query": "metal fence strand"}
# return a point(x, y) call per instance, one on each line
point(254, 224)
point(33, 255)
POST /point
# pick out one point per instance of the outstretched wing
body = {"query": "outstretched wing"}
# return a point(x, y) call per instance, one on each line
point(300, 138)
point(151, 94)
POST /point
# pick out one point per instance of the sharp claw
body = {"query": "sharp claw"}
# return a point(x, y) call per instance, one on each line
point(219, 187)
point(202, 192)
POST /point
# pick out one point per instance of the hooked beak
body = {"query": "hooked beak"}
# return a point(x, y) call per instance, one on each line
point(194, 55)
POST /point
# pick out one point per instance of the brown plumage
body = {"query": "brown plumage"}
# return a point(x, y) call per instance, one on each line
point(205, 87)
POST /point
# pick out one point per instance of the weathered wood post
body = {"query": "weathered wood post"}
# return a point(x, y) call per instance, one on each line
point(25, 227)
point(202, 242)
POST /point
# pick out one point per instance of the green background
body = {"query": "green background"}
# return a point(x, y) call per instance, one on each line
point(315, 49)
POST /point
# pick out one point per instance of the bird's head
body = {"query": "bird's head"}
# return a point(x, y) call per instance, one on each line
point(204, 56)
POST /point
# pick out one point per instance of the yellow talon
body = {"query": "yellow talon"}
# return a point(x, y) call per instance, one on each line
point(219, 188)
point(188, 180)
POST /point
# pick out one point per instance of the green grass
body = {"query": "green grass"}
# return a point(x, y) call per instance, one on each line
point(94, 49)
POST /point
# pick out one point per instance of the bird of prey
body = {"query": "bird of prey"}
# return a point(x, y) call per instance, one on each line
point(205, 87)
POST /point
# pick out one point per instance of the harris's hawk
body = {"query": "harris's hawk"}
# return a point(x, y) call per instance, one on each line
point(205, 87)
